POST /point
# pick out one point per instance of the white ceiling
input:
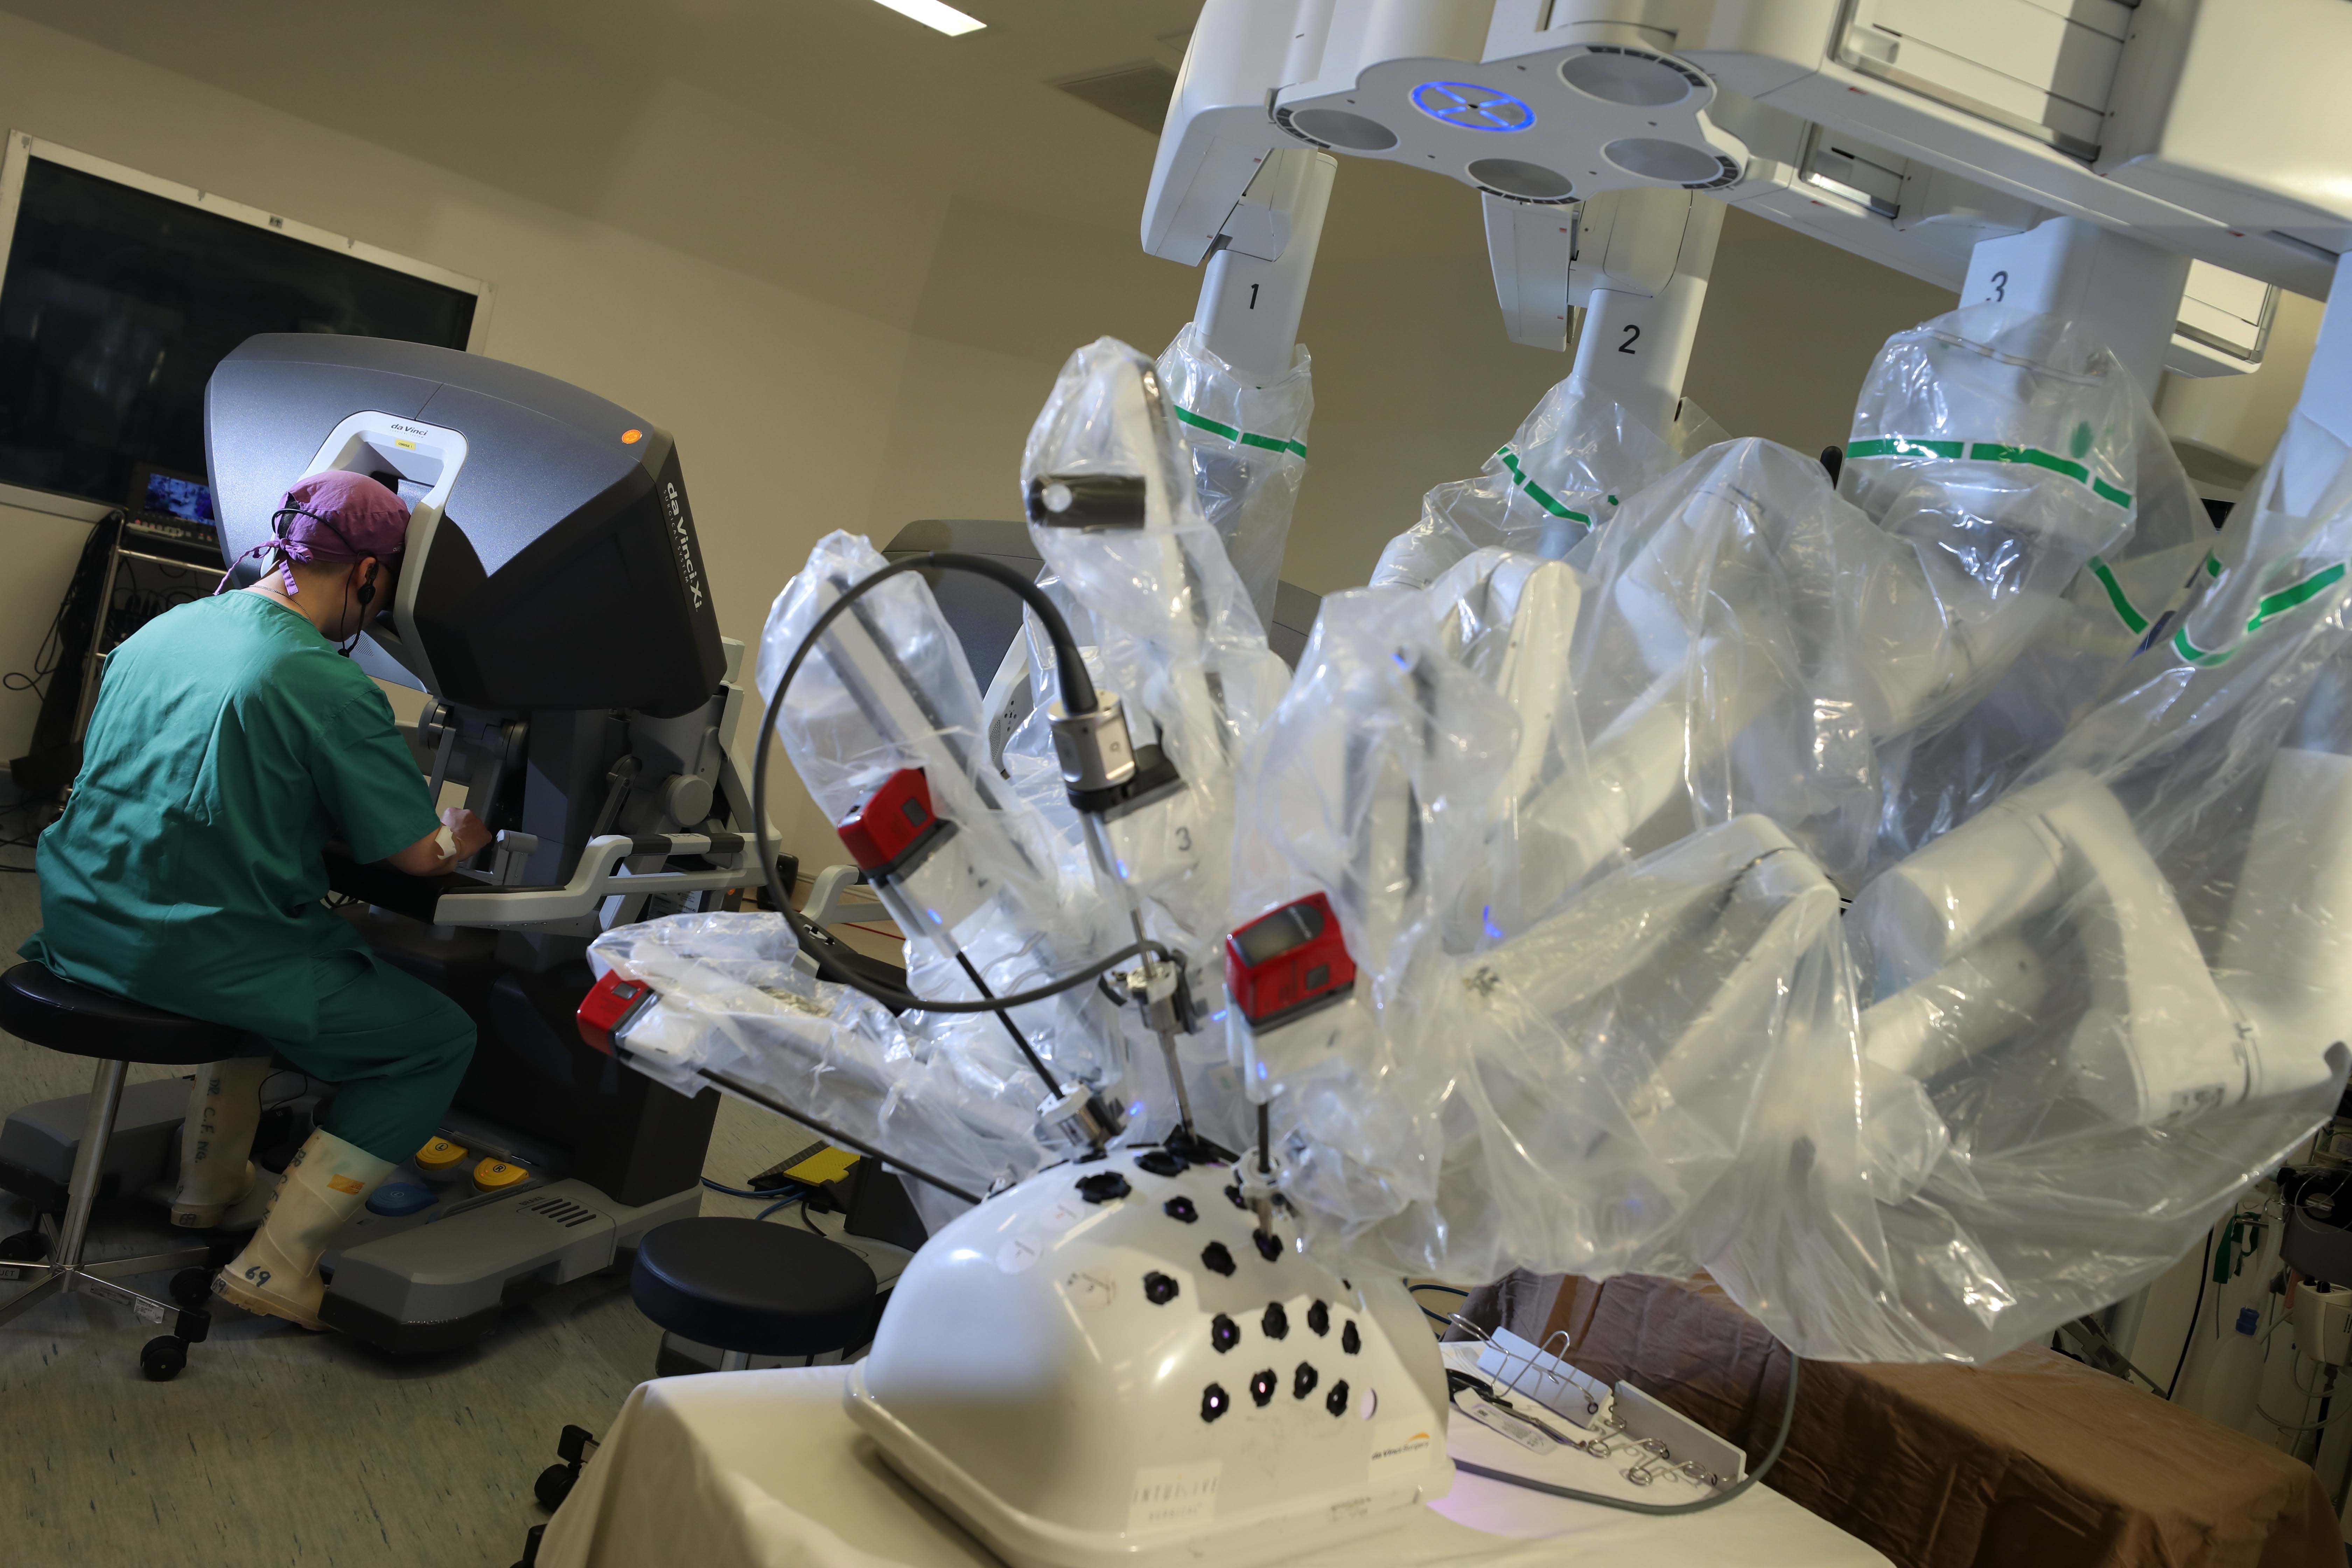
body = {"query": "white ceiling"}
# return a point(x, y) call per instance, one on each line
point(529, 95)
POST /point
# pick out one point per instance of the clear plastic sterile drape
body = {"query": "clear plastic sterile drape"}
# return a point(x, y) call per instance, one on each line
point(1563, 473)
point(731, 1002)
point(2084, 768)
point(1248, 447)
point(885, 689)
point(2052, 526)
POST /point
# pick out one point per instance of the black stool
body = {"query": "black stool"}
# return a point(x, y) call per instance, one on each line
point(753, 1288)
point(38, 1007)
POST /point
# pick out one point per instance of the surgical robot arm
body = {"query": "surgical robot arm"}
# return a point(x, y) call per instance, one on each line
point(1962, 935)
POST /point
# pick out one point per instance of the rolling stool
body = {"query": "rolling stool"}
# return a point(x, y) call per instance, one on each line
point(751, 1288)
point(38, 1007)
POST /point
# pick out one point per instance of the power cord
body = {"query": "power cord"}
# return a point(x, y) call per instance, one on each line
point(1771, 1457)
point(794, 1190)
point(1077, 696)
point(2196, 1310)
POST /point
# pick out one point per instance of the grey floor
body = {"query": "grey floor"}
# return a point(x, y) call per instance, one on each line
point(281, 1447)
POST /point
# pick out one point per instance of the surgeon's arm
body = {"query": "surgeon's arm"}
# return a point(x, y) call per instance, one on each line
point(425, 857)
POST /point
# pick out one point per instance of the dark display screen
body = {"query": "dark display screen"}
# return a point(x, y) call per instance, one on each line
point(1278, 934)
point(188, 499)
point(116, 304)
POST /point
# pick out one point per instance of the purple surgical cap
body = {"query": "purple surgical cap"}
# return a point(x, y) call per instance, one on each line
point(333, 516)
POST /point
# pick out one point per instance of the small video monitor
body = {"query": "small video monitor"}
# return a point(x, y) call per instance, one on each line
point(159, 492)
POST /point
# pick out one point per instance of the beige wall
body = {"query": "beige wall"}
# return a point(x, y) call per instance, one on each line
point(1414, 383)
point(836, 349)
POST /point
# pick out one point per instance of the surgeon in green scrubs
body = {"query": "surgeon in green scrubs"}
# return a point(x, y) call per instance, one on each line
point(232, 741)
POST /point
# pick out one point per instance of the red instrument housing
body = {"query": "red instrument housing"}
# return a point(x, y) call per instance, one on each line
point(1288, 961)
point(894, 826)
point(609, 1006)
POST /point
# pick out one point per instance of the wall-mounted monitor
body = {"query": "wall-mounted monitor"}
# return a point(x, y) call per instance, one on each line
point(119, 292)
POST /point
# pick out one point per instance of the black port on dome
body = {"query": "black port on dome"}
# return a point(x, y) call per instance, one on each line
point(1318, 1318)
point(1275, 1324)
point(1216, 1259)
point(1336, 1402)
point(1224, 1333)
point(1302, 1382)
point(1262, 1387)
point(1181, 1209)
point(1350, 1341)
point(1269, 1246)
point(1158, 1289)
point(1215, 1402)
point(1103, 1186)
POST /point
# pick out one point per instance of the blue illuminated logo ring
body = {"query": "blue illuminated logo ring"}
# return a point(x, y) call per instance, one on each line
point(1467, 106)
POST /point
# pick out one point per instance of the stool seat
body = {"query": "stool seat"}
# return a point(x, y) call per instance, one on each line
point(42, 1007)
point(755, 1287)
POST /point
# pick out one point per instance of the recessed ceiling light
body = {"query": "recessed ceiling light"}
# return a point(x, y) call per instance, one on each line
point(939, 17)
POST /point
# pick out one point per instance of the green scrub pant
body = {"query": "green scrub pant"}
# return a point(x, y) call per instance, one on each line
point(394, 1047)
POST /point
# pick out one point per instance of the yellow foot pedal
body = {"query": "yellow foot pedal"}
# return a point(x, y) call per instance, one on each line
point(439, 1159)
point(825, 1166)
point(496, 1175)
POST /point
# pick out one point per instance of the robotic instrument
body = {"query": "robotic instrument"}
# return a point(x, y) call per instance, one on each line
point(552, 607)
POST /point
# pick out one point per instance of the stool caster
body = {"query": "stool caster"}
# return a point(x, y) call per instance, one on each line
point(192, 1288)
point(555, 1482)
point(163, 1358)
point(530, 1547)
point(25, 1247)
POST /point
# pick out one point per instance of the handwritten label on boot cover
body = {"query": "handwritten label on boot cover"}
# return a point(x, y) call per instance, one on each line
point(1167, 1497)
point(1034, 1234)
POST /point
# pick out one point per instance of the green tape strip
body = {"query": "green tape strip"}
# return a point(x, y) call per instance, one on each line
point(1543, 498)
point(1904, 446)
point(1992, 452)
point(2269, 607)
point(1238, 436)
point(2115, 596)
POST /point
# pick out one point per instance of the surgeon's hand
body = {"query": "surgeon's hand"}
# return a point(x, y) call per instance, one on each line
point(429, 856)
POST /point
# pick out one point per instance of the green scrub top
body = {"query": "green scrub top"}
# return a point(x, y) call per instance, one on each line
point(231, 741)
